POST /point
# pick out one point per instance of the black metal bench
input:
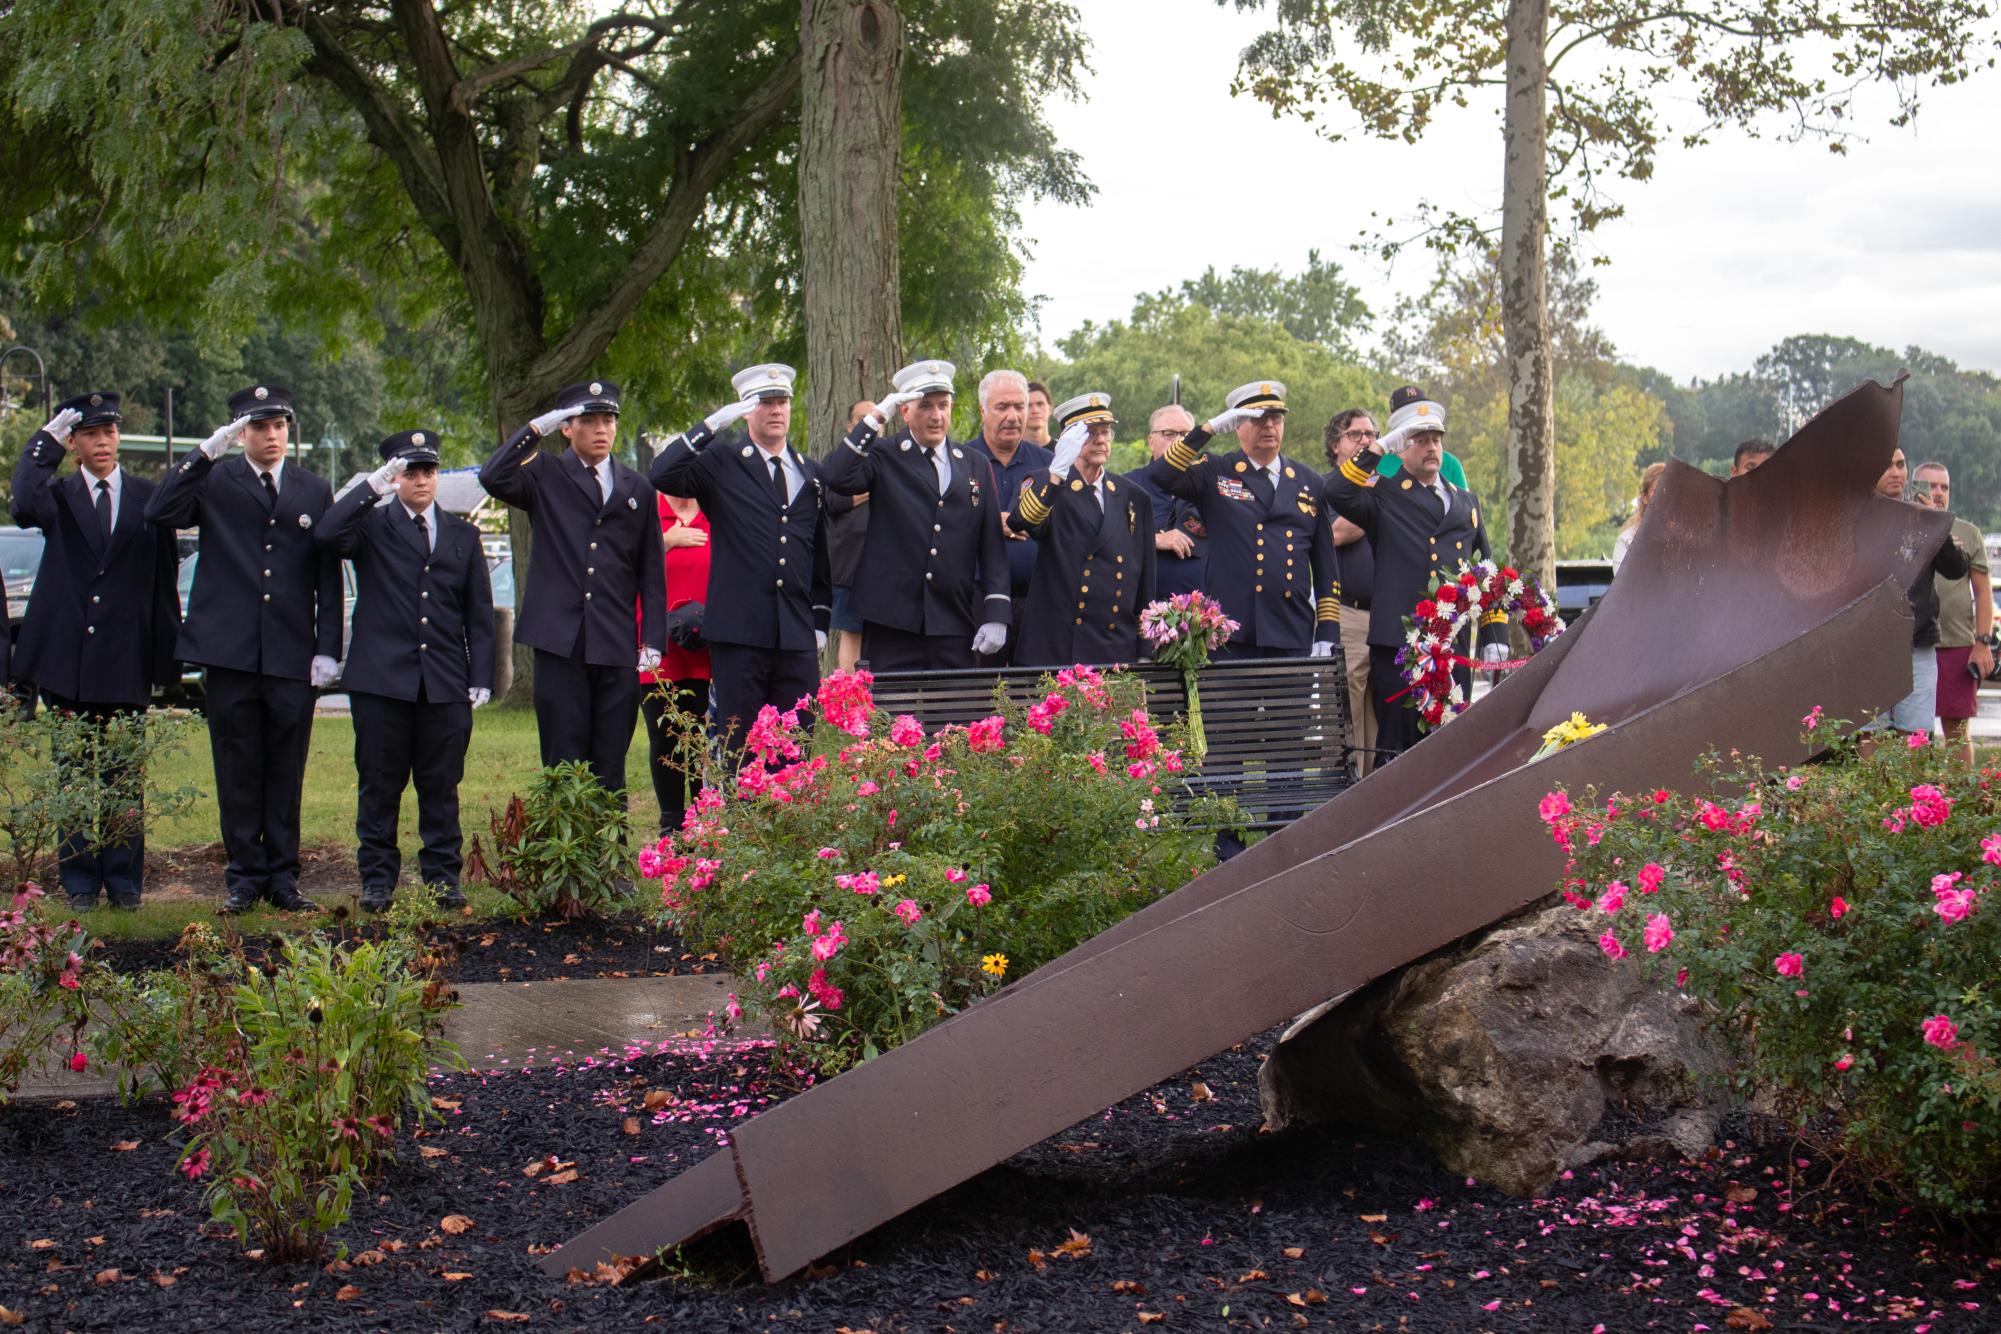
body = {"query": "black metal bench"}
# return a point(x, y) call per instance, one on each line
point(1277, 728)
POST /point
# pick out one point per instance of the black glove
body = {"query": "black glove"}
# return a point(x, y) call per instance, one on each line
point(684, 627)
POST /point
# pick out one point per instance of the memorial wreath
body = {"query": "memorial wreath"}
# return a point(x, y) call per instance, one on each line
point(1477, 592)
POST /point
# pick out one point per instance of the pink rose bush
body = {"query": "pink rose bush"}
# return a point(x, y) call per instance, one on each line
point(854, 878)
point(1834, 924)
point(41, 985)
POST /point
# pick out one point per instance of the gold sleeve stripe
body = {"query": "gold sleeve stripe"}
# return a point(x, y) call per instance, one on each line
point(1032, 507)
point(1494, 618)
point(1354, 474)
point(1180, 457)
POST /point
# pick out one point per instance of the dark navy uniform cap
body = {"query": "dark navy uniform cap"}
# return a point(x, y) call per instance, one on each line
point(261, 401)
point(596, 396)
point(416, 446)
point(97, 408)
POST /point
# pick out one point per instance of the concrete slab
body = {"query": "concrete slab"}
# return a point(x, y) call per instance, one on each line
point(518, 1025)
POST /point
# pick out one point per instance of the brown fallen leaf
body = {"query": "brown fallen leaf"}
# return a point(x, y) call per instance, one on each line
point(1151, 1317)
point(448, 1104)
point(1294, 1252)
point(392, 1244)
point(165, 1280)
point(562, 1178)
point(1737, 1194)
point(1129, 1287)
point(455, 1224)
point(985, 1275)
point(1075, 1247)
point(1375, 1218)
point(536, 1168)
point(655, 1099)
point(1252, 1276)
point(630, 1125)
point(42, 1244)
point(347, 1293)
point(454, 1276)
point(363, 1259)
point(432, 1151)
point(1296, 1299)
point(125, 1146)
point(1745, 1317)
point(106, 1277)
point(509, 1317)
point(1037, 1260)
point(1200, 1091)
point(1315, 1297)
point(11, 1317)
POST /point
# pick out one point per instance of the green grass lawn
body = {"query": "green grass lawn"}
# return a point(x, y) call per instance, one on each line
point(501, 761)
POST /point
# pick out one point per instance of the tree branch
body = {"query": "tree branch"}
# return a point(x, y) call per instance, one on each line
point(696, 174)
point(469, 90)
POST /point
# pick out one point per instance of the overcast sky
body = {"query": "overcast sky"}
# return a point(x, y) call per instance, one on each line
point(1728, 249)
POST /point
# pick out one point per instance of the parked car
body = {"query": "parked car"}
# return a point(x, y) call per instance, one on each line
point(20, 559)
point(1579, 584)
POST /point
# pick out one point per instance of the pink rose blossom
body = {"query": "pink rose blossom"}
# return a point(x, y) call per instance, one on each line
point(1610, 944)
point(906, 731)
point(1613, 899)
point(1812, 718)
point(1789, 964)
point(979, 895)
point(78, 1061)
point(1838, 908)
point(1795, 783)
point(1940, 1032)
point(953, 875)
point(1955, 905)
point(828, 854)
point(1843, 1061)
point(1097, 761)
point(1990, 849)
point(810, 924)
point(1919, 739)
point(1650, 877)
point(1553, 807)
point(908, 911)
point(1658, 933)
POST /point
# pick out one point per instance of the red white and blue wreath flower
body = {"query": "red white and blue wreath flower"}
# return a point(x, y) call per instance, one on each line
point(1477, 593)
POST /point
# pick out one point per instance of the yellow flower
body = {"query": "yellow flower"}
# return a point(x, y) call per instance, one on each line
point(995, 964)
point(892, 881)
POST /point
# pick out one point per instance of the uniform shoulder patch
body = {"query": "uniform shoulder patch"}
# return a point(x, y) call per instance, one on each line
point(1076, 485)
point(1406, 483)
point(1241, 465)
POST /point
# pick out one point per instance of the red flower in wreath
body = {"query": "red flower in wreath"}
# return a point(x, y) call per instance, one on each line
point(1430, 652)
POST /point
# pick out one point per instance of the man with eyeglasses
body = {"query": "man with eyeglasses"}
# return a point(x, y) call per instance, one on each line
point(1348, 434)
point(1271, 564)
point(1019, 463)
point(1180, 542)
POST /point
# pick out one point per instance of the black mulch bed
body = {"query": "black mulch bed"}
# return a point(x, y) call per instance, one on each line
point(1194, 1221)
point(490, 949)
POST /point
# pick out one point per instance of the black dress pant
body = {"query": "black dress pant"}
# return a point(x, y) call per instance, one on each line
point(887, 649)
point(1396, 720)
point(585, 712)
point(117, 864)
point(664, 748)
point(258, 730)
point(748, 678)
point(395, 741)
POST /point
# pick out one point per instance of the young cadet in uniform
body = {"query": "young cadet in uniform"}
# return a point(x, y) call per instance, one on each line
point(264, 618)
point(100, 626)
point(597, 555)
point(1421, 527)
point(769, 595)
point(1094, 564)
point(419, 661)
point(932, 587)
point(1271, 545)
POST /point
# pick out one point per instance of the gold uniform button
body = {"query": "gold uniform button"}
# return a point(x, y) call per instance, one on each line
point(1078, 621)
point(1260, 588)
point(1080, 607)
point(1083, 588)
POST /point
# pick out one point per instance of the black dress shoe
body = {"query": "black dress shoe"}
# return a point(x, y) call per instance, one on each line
point(239, 901)
point(78, 903)
point(375, 898)
point(125, 905)
point(449, 896)
point(291, 900)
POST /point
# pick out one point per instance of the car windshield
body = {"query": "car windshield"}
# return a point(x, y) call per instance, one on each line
point(20, 554)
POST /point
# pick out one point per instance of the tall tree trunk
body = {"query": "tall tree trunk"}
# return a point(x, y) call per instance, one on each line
point(1524, 271)
point(850, 150)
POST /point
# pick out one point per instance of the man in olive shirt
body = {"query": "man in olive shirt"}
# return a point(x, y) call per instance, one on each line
point(1965, 617)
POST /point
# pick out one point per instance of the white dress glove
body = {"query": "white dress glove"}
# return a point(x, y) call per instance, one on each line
point(549, 421)
point(62, 424)
point(1492, 653)
point(218, 444)
point(728, 413)
point(1068, 446)
point(820, 638)
point(1228, 420)
point(1321, 649)
point(1394, 441)
point(649, 658)
point(325, 671)
point(888, 403)
point(990, 638)
point(383, 480)
point(478, 695)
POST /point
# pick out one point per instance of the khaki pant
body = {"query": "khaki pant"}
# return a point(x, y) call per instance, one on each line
point(1361, 709)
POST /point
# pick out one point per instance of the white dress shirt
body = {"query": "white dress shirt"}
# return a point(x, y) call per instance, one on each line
point(117, 479)
point(430, 513)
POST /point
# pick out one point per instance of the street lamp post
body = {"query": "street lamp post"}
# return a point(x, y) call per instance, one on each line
point(40, 369)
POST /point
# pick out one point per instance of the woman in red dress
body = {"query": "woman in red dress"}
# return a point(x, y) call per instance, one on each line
point(682, 680)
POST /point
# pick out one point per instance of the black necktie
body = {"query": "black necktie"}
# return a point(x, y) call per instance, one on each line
point(1261, 484)
point(423, 530)
point(270, 489)
point(778, 480)
point(104, 506)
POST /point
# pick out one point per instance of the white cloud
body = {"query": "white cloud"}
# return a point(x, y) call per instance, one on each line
point(1731, 247)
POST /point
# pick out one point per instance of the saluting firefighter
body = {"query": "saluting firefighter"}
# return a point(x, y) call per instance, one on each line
point(932, 589)
point(770, 598)
point(597, 555)
point(1271, 543)
point(1421, 527)
point(265, 620)
point(419, 661)
point(1094, 563)
point(100, 626)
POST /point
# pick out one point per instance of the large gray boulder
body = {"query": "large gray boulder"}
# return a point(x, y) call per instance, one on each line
point(1516, 1054)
